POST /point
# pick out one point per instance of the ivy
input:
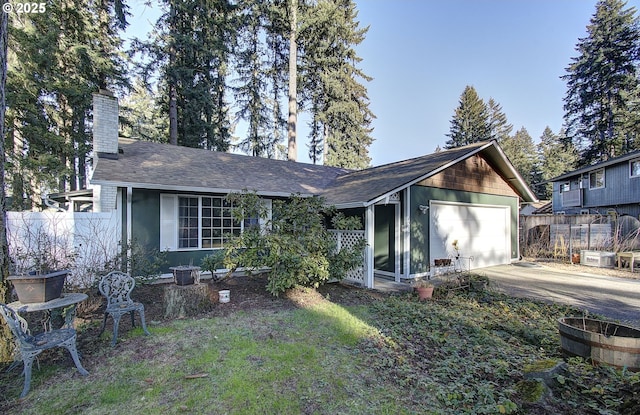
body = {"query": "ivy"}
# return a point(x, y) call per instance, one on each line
point(467, 354)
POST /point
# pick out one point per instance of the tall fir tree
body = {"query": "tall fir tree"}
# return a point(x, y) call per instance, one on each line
point(599, 81)
point(57, 61)
point(257, 88)
point(141, 117)
point(339, 105)
point(521, 151)
point(470, 122)
point(499, 127)
point(190, 50)
point(555, 158)
point(6, 344)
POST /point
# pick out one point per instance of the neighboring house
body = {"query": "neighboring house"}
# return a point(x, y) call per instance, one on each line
point(612, 186)
point(173, 198)
point(535, 208)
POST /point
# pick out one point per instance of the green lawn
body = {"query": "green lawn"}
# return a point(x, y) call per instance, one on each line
point(463, 353)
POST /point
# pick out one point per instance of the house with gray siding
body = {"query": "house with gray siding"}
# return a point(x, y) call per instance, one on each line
point(172, 199)
point(612, 186)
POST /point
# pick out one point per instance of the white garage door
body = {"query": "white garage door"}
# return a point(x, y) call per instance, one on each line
point(482, 231)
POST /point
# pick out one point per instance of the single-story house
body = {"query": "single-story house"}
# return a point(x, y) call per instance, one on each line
point(173, 198)
point(612, 186)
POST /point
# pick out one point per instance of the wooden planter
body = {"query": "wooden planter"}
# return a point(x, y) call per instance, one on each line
point(443, 262)
point(601, 341)
point(39, 288)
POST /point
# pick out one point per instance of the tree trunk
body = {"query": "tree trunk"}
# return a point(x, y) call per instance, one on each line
point(173, 116)
point(5, 335)
point(292, 152)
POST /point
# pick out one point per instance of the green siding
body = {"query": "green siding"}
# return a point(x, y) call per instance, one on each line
point(145, 218)
point(419, 224)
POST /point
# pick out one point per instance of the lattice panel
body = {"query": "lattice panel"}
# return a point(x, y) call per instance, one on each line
point(348, 239)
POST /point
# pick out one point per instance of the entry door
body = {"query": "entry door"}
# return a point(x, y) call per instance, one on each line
point(384, 242)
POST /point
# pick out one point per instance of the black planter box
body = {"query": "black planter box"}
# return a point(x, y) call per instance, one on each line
point(184, 275)
point(39, 288)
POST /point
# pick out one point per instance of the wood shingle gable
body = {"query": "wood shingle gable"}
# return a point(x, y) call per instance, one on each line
point(473, 174)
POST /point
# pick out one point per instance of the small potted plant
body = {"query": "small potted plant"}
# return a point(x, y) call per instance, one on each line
point(456, 247)
point(424, 289)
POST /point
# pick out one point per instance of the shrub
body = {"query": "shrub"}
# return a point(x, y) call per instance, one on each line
point(294, 243)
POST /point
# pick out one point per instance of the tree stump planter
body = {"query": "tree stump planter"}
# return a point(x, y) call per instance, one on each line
point(188, 300)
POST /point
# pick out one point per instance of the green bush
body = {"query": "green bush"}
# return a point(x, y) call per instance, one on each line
point(295, 243)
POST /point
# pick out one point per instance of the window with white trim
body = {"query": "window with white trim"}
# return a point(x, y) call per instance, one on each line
point(565, 187)
point(596, 179)
point(634, 168)
point(199, 222)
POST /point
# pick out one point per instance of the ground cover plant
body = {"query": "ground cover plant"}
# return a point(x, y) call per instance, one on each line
point(327, 351)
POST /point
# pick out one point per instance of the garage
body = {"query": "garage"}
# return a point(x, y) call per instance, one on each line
point(482, 231)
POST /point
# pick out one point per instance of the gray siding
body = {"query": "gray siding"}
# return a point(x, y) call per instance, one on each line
point(620, 193)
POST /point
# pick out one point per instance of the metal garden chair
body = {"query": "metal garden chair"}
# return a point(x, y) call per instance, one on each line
point(116, 287)
point(31, 346)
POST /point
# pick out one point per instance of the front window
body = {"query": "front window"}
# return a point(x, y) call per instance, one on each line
point(565, 187)
point(201, 222)
point(205, 222)
point(634, 168)
point(596, 179)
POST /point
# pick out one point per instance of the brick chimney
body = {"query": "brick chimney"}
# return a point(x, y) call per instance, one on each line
point(105, 145)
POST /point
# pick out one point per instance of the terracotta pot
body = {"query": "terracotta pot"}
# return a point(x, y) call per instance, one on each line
point(424, 292)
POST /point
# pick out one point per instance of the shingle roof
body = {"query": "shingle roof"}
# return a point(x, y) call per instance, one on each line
point(586, 169)
point(150, 165)
point(162, 166)
point(372, 183)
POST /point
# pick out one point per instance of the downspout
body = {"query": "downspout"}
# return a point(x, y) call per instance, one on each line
point(406, 235)
point(129, 227)
point(369, 236)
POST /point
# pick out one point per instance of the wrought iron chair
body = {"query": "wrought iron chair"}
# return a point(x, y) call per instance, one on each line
point(116, 287)
point(31, 346)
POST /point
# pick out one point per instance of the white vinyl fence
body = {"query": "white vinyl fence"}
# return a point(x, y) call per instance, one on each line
point(84, 242)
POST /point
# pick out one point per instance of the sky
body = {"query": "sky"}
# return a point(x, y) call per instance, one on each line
point(421, 55)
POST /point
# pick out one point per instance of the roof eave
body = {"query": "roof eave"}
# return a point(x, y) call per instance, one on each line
point(196, 189)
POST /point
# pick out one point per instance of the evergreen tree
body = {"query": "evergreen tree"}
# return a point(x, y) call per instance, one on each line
point(341, 118)
point(6, 344)
point(141, 117)
point(521, 151)
point(470, 123)
point(58, 60)
point(555, 159)
point(190, 48)
point(599, 80)
point(499, 127)
point(255, 63)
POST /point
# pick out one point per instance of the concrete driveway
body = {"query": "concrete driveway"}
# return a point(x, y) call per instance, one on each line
point(615, 298)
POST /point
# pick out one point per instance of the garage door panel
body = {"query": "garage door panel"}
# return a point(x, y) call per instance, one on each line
point(482, 232)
